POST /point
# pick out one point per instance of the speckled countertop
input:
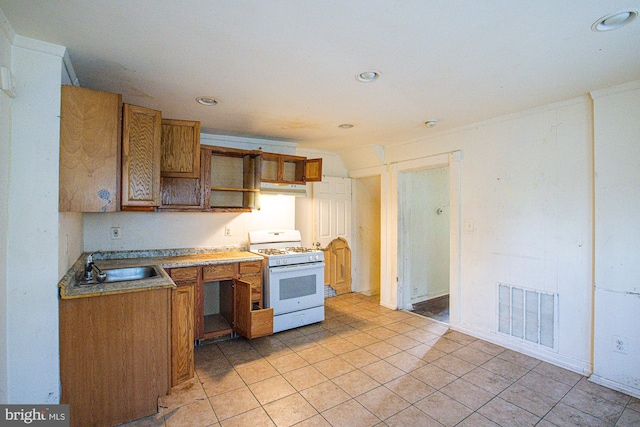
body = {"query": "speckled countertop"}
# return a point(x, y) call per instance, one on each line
point(161, 259)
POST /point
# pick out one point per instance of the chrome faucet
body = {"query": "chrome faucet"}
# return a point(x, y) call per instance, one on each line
point(89, 266)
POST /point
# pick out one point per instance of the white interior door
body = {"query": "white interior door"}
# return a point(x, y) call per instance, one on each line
point(331, 210)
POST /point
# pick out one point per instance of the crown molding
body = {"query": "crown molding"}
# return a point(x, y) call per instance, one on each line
point(39, 46)
point(6, 28)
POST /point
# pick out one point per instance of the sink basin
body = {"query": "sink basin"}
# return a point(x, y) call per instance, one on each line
point(123, 274)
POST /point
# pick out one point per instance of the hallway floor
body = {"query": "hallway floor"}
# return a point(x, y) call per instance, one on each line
point(366, 365)
point(434, 308)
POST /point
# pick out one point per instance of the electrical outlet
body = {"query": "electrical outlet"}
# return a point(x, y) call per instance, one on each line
point(620, 344)
point(227, 231)
point(115, 233)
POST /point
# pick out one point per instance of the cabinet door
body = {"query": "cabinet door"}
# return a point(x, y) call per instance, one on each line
point(249, 323)
point(114, 356)
point(180, 149)
point(141, 129)
point(313, 170)
point(182, 333)
point(183, 194)
point(192, 276)
point(89, 150)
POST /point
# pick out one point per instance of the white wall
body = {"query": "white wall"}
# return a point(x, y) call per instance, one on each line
point(71, 240)
point(366, 233)
point(167, 230)
point(6, 35)
point(526, 194)
point(32, 240)
point(617, 237)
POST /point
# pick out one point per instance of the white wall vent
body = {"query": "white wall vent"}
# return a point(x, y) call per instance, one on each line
point(527, 314)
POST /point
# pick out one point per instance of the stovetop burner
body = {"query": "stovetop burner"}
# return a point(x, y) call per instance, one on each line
point(272, 251)
point(299, 249)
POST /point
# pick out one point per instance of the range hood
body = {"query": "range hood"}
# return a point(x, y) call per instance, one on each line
point(299, 190)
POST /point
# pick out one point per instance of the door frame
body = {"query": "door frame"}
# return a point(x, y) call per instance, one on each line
point(394, 293)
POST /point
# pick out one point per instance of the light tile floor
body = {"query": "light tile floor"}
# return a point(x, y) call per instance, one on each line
point(366, 365)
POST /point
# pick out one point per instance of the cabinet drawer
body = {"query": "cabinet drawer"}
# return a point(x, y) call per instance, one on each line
point(253, 267)
point(214, 273)
point(261, 323)
point(184, 274)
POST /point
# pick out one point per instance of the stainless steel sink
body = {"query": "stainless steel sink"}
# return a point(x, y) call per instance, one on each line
point(123, 274)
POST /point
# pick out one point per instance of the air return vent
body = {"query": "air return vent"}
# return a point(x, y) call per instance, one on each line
point(527, 314)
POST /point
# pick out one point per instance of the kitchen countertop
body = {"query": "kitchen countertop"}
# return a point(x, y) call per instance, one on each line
point(170, 258)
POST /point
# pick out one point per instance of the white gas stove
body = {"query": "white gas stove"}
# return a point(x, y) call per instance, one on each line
point(293, 278)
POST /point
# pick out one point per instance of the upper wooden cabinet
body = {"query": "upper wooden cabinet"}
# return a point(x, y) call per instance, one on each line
point(89, 150)
point(313, 170)
point(180, 149)
point(231, 179)
point(286, 169)
point(141, 134)
point(183, 194)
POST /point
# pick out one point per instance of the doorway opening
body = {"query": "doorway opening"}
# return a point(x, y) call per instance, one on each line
point(424, 228)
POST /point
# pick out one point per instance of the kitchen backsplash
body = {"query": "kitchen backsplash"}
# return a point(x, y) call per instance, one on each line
point(167, 230)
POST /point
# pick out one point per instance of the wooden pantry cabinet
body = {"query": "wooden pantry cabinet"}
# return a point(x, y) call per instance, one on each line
point(90, 126)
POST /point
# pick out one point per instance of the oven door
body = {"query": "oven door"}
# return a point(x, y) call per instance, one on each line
point(295, 287)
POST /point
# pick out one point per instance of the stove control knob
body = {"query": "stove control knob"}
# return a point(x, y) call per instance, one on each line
point(311, 258)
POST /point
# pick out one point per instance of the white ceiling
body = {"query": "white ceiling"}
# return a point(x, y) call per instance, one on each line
point(285, 69)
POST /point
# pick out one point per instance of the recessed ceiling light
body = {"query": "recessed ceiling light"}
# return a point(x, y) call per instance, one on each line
point(368, 76)
point(346, 126)
point(431, 123)
point(207, 100)
point(615, 20)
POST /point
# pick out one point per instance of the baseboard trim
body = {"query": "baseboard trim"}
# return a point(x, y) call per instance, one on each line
point(623, 388)
point(577, 366)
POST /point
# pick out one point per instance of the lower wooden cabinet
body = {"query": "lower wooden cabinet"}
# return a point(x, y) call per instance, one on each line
point(231, 286)
point(182, 334)
point(237, 307)
point(248, 322)
point(114, 356)
point(183, 322)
